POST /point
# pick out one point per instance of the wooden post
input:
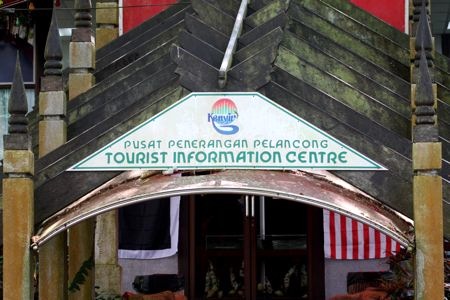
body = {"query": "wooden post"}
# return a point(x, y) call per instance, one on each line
point(427, 157)
point(81, 79)
point(107, 19)
point(52, 134)
point(81, 250)
point(18, 197)
point(81, 51)
point(107, 270)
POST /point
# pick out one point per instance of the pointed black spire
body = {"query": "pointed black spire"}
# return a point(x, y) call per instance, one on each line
point(425, 127)
point(53, 52)
point(17, 105)
point(424, 40)
point(83, 16)
point(424, 100)
point(417, 4)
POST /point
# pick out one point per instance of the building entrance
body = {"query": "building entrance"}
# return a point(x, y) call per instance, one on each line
point(254, 247)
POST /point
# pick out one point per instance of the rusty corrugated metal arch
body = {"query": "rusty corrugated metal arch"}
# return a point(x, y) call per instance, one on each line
point(318, 188)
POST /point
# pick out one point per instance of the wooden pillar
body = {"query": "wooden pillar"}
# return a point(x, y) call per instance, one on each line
point(107, 19)
point(52, 134)
point(81, 250)
point(107, 270)
point(81, 51)
point(427, 157)
point(18, 197)
point(81, 79)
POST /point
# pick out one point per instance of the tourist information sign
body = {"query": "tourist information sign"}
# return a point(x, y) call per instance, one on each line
point(226, 131)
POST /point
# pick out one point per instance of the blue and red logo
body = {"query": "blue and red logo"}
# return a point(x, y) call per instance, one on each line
point(223, 114)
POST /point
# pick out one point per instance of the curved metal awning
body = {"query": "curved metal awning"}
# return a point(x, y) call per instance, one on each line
point(320, 189)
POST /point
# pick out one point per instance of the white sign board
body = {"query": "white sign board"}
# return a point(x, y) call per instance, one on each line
point(226, 131)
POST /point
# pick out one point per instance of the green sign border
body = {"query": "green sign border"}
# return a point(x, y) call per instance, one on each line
point(376, 166)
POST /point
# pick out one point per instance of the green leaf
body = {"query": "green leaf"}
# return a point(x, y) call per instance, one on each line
point(80, 277)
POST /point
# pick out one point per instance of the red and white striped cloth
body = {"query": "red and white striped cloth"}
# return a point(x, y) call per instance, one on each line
point(346, 238)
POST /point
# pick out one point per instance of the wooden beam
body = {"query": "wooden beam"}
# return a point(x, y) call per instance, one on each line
point(201, 49)
point(214, 16)
point(161, 72)
point(257, 65)
point(349, 41)
point(141, 47)
point(272, 38)
point(195, 65)
point(369, 20)
point(351, 59)
point(146, 28)
point(344, 113)
point(266, 13)
point(256, 33)
point(359, 101)
point(358, 81)
point(206, 33)
point(370, 36)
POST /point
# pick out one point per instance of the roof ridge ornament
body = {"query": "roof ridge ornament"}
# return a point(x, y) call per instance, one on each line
point(53, 52)
point(425, 121)
point(18, 105)
point(424, 39)
point(417, 9)
point(83, 16)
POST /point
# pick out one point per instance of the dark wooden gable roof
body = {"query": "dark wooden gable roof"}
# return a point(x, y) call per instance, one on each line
point(327, 61)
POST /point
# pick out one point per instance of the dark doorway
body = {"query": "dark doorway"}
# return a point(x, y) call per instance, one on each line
point(254, 247)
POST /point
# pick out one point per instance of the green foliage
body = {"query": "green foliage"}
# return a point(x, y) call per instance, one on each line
point(80, 276)
point(102, 295)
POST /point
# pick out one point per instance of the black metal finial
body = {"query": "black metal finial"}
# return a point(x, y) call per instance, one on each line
point(83, 16)
point(417, 4)
point(53, 52)
point(425, 127)
point(424, 100)
point(17, 105)
point(424, 39)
